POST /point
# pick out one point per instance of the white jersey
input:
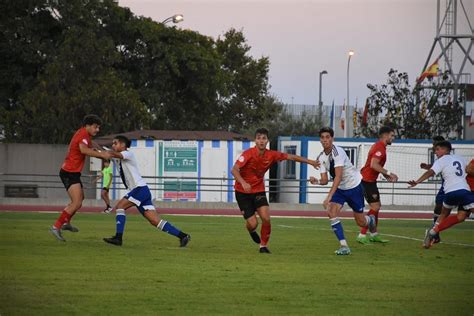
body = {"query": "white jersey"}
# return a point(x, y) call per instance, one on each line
point(131, 173)
point(453, 171)
point(351, 177)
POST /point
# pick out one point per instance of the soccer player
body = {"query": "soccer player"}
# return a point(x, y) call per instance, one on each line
point(346, 187)
point(106, 175)
point(139, 195)
point(70, 173)
point(248, 171)
point(370, 172)
point(457, 191)
point(440, 195)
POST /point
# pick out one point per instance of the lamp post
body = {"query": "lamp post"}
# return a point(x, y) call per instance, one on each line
point(346, 120)
point(175, 19)
point(320, 109)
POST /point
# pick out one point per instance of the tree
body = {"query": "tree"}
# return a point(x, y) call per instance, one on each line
point(413, 113)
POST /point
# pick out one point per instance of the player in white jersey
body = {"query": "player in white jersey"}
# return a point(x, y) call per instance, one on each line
point(457, 191)
point(346, 187)
point(139, 195)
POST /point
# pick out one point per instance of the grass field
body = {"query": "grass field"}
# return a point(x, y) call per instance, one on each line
point(221, 271)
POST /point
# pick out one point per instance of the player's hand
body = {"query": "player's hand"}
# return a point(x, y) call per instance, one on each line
point(107, 155)
point(424, 166)
point(315, 163)
point(313, 180)
point(392, 177)
point(326, 202)
point(247, 187)
point(412, 183)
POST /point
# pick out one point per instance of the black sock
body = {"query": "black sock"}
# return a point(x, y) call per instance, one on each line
point(181, 235)
point(255, 237)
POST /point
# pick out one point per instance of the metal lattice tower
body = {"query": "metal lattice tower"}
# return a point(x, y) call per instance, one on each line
point(450, 39)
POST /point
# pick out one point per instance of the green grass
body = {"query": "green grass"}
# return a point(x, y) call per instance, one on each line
point(221, 271)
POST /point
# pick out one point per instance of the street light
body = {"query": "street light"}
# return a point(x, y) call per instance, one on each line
point(175, 19)
point(346, 114)
point(324, 72)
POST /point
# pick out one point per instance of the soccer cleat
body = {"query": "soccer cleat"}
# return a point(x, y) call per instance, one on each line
point(363, 240)
point(343, 251)
point(264, 250)
point(255, 237)
point(114, 241)
point(377, 238)
point(372, 224)
point(69, 227)
point(184, 241)
point(436, 239)
point(57, 233)
point(429, 239)
point(107, 210)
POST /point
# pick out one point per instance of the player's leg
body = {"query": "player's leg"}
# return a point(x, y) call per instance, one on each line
point(333, 211)
point(372, 196)
point(76, 194)
point(120, 220)
point(266, 230)
point(149, 212)
point(105, 196)
point(247, 208)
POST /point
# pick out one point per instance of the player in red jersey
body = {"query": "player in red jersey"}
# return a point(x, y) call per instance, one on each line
point(370, 172)
point(70, 173)
point(249, 171)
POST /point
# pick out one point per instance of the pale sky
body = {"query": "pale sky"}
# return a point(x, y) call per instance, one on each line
point(303, 37)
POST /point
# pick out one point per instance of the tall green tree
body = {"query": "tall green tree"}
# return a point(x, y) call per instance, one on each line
point(414, 113)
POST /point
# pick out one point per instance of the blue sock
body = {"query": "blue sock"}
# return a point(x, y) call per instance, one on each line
point(120, 221)
point(336, 226)
point(170, 229)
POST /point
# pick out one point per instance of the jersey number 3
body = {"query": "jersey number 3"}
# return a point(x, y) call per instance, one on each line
point(457, 164)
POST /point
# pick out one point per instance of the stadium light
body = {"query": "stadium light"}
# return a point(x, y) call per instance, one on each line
point(175, 19)
point(346, 116)
point(324, 72)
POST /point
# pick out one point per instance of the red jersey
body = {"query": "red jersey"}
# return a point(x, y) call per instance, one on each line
point(378, 151)
point(470, 179)
point(74, 161)
point(253, 167)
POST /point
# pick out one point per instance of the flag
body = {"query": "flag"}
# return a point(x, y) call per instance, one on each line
point(429, 72)
point(343, 116)
point(331, 123)
point(366, 112)
point(423, 109)
point(354, 115)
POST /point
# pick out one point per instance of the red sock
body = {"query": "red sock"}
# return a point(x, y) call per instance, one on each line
point(63, 218)
point(364, 230)
point(265, 233)
point(446, 223)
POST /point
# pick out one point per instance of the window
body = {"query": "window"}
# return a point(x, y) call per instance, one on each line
point(351, 152)
point(289, 167)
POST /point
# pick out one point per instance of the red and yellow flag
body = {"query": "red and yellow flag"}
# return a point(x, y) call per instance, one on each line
point(430, 72)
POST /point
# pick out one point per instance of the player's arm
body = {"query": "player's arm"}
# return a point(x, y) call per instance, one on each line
point(93, 153)
point(425, 166)
point(314, 163)
point(428, 174)
point(375, 164)
point(238, 177)
point(335, 184)
point(115, 154)
point(323, 181)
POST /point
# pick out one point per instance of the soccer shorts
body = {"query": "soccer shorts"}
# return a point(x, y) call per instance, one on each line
point(141, 197)
point(462, 198)
point(440, 196)
point(250, 202)
point(69, 178)
point(353, 197)
point(371, 192)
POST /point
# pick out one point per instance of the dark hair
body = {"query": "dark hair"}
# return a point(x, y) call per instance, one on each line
point(91, 119)
point(261, 130)
point(123, 140)
point(438, 138)
point(385, 130)
point(326, 130)
point(443, 144)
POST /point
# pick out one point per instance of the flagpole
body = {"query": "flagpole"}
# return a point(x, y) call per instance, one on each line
point(347, 110)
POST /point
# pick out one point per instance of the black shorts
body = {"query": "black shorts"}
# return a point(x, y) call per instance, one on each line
point(250, 202)
point(105, 189)
point(371, 192)
point(70, 178)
